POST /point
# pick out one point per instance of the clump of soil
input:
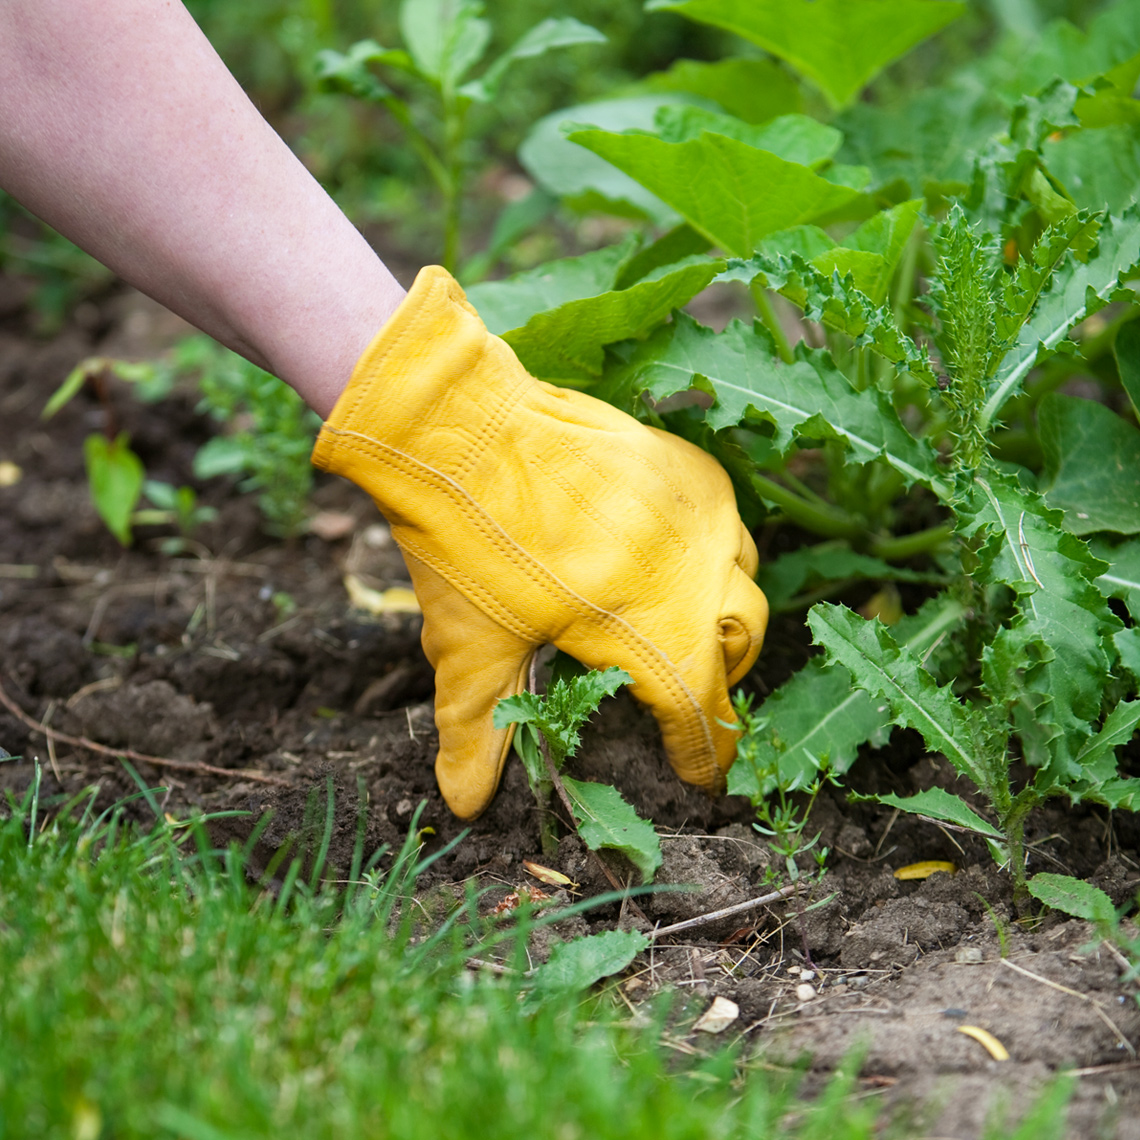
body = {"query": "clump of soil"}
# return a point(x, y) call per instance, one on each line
point(198, 660)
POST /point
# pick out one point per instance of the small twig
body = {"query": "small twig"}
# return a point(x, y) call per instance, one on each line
point(1077, 994)
point(728, 911)
point(53, 735)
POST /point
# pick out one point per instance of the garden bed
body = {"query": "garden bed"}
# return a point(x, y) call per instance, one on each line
point(243, 654)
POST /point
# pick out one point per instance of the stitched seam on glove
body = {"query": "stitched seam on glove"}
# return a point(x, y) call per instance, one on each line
point(696, 730)
point(649, 465)
point(587, 508)
point(662, 521)
point(492, 426)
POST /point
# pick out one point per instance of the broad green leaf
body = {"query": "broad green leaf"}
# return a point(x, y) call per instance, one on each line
point(1078, 290)
point(886, 670)
point(567, 344)
point(509, 304)
point(754, 90)
point(348, 72)
point(115, 477)
point(1120, 793)
point(584, 961)
point(1063, 624)
point(605, 820)
point(1126, 349)
point(805, 568)
point(817, 715)
point(1127, 644)
point(1122, 578)
point(1092, 464)
point(551, 33)
point(940, 804)
point(808, 398)
point(794, 138)
point(671, 247)
point(583, 178)
point(838, 304)
point(741, 194)
point(445, 37)
point(840, 45)
point(1099, 168)
point(926, 142)
point(1072, 896)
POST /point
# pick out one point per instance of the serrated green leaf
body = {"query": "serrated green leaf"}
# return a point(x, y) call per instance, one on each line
point(817, 715)
point(1097, 757)
point(754, 90)
point(584, 961)
point(543, 37)
point(1092, 465)
point(578, 176)
point(840, 45)
point(1127, 645)
point(1122, 578)
point(837, 304)
point(1060, 636)
point(741, 195)
point(1072, 896)
point(809, 397)
point(605, 820)
point(348, 72)
point(886, 670)
point(115, 476)
point(940, 804)
point(1078, 289)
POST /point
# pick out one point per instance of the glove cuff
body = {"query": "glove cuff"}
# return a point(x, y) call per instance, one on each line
point(412, 385)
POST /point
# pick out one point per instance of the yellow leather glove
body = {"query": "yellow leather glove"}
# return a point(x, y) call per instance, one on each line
point(530, 514)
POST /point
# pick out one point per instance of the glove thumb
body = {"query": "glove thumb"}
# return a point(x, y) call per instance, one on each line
point(476, 663)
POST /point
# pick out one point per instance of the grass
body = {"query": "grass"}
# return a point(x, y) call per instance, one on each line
point(150, 991)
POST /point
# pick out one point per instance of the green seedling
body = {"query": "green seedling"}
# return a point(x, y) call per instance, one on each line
point(551, 723)
point(270, 449)
point(430, 79)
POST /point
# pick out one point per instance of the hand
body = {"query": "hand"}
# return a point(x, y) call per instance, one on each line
point(530, 514)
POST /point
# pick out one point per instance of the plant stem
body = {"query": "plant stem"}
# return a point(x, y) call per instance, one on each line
point(771, 321)
point(818, 518)
point(892, 549)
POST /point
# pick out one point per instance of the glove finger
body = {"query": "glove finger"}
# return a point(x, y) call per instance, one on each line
point(744, 618)
point(476, 663)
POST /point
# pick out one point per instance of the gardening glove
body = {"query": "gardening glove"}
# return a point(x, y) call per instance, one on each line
point(530, 514)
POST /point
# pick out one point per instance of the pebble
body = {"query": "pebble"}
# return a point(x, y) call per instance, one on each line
point(804, 992)
point(968, 955)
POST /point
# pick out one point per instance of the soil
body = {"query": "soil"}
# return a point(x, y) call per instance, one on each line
point(243, 653)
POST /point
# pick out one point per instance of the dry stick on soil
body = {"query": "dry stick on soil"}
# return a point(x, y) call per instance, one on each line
point(1075, 993)
point(728, 911)
point(53, 735)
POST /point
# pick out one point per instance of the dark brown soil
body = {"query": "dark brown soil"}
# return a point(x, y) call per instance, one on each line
point(197, 658)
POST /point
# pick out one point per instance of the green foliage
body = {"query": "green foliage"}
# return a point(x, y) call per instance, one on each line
point(840, 45)
point(115, 476)
point(603, 818)
point(325, 1010)
point(270, 449)
point(444, 40)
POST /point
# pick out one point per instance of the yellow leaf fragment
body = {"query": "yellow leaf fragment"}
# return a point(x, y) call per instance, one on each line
point(987, 1040)
point(925, 870)
point(549, 876)
point(718, 1017)
point(395, 600)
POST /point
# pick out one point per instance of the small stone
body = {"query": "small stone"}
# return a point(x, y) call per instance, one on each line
point(968, 955)
point(805, 992)
point(718, 1017)
point(807, 975)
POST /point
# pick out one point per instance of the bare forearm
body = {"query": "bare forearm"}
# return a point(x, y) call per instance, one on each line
point(121, 127)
